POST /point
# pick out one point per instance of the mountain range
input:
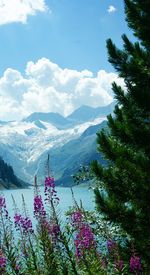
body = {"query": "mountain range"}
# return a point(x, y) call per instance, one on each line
point(70, 141)
point(79, 116)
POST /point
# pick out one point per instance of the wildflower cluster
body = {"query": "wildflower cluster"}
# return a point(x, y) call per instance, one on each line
point(52, 249)
point(84, 240)
point(7, 245)
point(113, 251)
point(111, 245)
point(39, 211)
point(53, 229)
point(3, 209)
point(50, 192)
point(23, 223)
point(135, 264)
point(76, 218)
point(2, 262)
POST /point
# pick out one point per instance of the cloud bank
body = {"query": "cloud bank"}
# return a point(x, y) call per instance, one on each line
point(46, 87)
point(19, 10)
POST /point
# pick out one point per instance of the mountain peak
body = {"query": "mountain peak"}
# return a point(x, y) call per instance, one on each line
point(54, 118)
point(42, 116)
point(87, 113)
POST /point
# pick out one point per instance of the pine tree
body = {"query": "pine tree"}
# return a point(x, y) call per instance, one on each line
point(126, 145)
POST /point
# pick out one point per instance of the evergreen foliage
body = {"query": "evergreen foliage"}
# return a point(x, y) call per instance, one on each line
point(8, 178)
point(126, 146)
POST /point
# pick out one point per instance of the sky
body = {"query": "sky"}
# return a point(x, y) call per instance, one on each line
point(53, 55)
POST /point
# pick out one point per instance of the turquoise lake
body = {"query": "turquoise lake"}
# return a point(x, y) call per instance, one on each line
point(81, 193)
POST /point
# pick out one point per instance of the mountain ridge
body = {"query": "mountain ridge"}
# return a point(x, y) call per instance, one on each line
point(25, 144)
point(80, 115)
point(87, 112)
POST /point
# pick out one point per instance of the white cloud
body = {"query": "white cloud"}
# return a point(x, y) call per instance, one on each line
point(19, 10)
point(111, 9)
point(46, 87)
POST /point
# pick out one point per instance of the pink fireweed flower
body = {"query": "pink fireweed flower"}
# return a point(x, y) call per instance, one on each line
point(76, 217)
point(27, 225)
point(2, 262)
point(23, 223)
point(17, 219)
point(46, 225)
point(52, 229)
point(55, 230)
point(2, 202)
point(3, 208)
point(50, 192)
point(135, 264)
point(49, 182)
point(111, 245)
point(39, 211)
point(84, 240)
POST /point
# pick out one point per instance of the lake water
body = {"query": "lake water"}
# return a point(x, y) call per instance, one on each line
point(64, 193)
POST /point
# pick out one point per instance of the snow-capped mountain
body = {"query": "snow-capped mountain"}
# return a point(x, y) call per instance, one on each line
point(22, 143)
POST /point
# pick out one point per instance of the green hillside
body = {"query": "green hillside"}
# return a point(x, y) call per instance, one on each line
point(8, 179)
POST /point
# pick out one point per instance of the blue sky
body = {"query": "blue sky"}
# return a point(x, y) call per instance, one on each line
point(70, 33)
